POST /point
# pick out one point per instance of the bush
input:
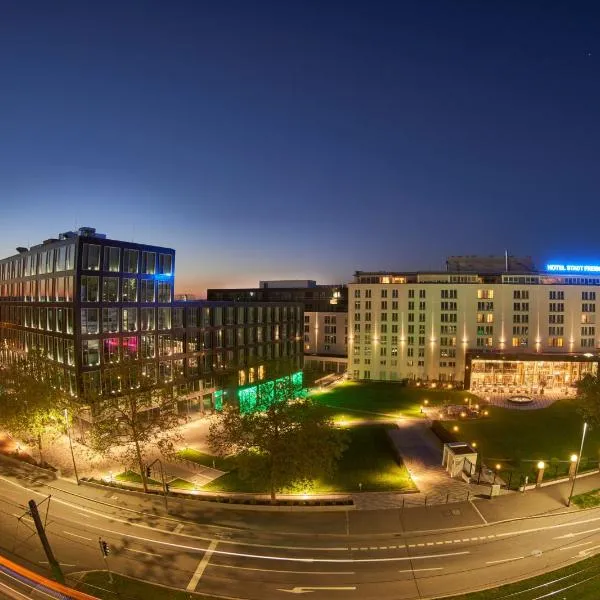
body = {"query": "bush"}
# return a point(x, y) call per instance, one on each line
point(445, 436)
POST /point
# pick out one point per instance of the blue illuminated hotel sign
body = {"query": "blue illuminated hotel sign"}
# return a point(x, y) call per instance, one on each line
point(573, 268)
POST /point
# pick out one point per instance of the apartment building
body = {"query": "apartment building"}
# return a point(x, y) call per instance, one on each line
point(92, 303)
point(497, 327)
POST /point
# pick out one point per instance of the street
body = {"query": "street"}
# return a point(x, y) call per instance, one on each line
point(416, 553)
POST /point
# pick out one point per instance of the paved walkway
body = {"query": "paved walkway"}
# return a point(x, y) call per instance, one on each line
point(539, 401)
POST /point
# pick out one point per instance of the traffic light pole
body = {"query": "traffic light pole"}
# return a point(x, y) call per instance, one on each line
point(104, 551)
point(54, 565)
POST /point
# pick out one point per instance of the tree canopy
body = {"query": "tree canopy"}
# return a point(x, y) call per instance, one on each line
point(134, 416)
point(287, 445)
point(588, 391)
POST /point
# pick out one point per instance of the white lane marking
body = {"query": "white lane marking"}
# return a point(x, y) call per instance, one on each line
point(141, 551)
point(77, 536)
point(283, 570)
point(570, 535)
point(280, 558)
point(587, 551)
point(303, 590)
point(13, 591)
point(426, 569)
point(478, 511)
point(62, 564)
point(576, 546)
point(496, 562)
point(191, 586)
point(162, 531)
point(86, 515)
point(178, 528)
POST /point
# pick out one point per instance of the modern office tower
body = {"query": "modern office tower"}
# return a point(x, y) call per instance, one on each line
point(92, 303)
point(498, 328)
point(325, 328)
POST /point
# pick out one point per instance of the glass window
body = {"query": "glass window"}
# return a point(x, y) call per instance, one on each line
point(70, 262)
point(41, 263)
point(50, 261)
point(89, 321)
point(149, 263)
point(110, 289)
point(130, 348)
point(164, 291)
point(91, 353)
point(164, 345)
point(130, 319)
point(69, 320)
point(61, 258)
point(110, 348)
point(148, 321)
point(178, 318)
point(130, 260)
point(129, 289)
point(90, 260)
point(110, 320)
point(89, 288)
point(60, 320)
point(112, 258)
point(164, 318)
point(60, 289)
point(165, 264)
point(147, 290)
point(148, 346)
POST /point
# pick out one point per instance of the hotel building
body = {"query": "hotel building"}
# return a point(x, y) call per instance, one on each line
point(92, 303)
point(491, 323)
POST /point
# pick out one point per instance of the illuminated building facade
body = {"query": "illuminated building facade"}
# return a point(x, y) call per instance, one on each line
point(325, 327)
point(92, 303)
point(450, 326)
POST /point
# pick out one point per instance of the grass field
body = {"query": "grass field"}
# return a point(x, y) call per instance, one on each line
point(383, 401)
point(587, 500)
point(518, 439)
point(368, 460)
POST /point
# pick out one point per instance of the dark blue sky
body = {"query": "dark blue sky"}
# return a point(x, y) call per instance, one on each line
point(303, 139)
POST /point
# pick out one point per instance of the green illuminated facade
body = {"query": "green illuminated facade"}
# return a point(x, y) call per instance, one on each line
point(259, 397)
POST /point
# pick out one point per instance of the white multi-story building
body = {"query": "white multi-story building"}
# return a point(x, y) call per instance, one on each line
point(512, 329)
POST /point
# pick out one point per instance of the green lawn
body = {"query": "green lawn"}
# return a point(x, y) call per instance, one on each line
point(368, 460)
point(383, 401)
point(207, 460)
point(580, 581)
point(96, 583)
point(587, 500)
point(133, 477)
point(518, 439)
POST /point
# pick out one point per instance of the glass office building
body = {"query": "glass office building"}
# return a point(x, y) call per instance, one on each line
point(92, 303)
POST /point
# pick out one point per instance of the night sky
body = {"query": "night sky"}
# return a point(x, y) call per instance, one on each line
point(297, 139)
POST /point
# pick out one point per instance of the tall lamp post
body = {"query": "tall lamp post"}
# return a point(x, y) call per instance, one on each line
point(71, 444)
point(577, 464)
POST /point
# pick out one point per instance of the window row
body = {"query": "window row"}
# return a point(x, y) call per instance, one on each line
point(152, 263)
point(53, 289)
point(52, 260)
point(131, 288)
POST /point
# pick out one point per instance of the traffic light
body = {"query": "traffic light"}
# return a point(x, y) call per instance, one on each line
point(148, 472)
point(104, 548)
point(167, 487)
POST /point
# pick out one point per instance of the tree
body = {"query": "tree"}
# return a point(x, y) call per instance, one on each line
point(588, 393)
point(133, 414)
point(288, 444)
point(32, 402)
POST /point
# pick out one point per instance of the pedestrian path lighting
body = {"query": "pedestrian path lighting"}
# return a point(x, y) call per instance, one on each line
point(455, 428)
point(541, 467)
point(66, 413)
point(577, 462)
point(572, 465)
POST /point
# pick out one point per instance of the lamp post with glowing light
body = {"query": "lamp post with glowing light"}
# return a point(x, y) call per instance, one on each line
point(577, 462)
point(573, 463)
point(66, 413)
point(541, 468)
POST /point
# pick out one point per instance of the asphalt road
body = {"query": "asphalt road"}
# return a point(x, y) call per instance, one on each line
point(415, 553)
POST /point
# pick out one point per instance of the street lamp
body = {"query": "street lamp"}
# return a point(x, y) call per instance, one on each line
point(577, 464)
point(66, 413)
